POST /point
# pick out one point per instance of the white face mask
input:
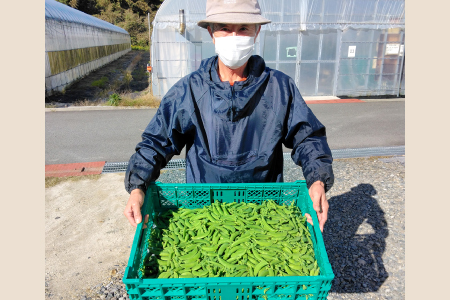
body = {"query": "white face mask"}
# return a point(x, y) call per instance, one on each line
point(234, 51)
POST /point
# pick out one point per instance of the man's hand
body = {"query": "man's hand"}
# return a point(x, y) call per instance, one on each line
point(133, 209)
point(320, 203)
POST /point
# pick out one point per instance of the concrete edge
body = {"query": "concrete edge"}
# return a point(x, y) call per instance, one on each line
point(84, 108)
point(384, 100)
point(307, 99)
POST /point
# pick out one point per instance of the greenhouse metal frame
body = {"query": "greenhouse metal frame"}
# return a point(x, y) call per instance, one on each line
point(330, 48)
point(76, 44)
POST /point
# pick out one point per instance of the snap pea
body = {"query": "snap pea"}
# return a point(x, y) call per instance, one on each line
point(230, 239)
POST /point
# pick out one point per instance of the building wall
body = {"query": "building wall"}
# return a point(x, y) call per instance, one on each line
point(329, 47)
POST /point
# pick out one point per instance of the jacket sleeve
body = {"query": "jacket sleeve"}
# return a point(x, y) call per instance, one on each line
point(164, 137)
point(307, 137)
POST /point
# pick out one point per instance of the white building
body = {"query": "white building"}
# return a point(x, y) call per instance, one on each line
point(329, 47)
point(76, 44)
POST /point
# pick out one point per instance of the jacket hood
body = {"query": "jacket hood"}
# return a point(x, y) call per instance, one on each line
point(235, 102)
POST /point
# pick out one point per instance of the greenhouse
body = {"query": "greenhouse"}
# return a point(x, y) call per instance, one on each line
point(76, 44)
point(329, 47)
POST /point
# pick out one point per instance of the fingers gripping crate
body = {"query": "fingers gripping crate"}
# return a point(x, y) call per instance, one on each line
point(160, 197)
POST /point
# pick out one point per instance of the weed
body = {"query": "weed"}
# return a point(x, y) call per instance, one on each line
point(127, 78)
point(143, 99)
point(140, 73)
point(114, 100)
point(87, 102)
point(141, 48)
point(100, 83)
point(50, 105)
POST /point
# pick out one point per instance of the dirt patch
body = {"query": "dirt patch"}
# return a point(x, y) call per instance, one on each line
point(86, 235)
point(111, 78)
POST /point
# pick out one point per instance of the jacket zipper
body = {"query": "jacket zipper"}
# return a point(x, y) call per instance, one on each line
point(232, 103)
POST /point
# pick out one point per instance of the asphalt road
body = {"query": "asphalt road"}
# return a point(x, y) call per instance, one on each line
point(111, 135)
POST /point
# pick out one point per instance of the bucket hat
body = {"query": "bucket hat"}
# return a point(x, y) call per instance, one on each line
point(233, 12)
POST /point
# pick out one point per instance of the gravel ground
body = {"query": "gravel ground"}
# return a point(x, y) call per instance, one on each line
point(364, 235)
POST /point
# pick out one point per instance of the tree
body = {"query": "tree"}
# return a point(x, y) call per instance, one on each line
point(130, 15)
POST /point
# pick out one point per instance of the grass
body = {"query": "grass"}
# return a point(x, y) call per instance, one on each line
point(100, 82)
point(50, 105)
point(139, 48)
point(140, 73)
point(52, 181)
point(86, 102)
point(143, 99)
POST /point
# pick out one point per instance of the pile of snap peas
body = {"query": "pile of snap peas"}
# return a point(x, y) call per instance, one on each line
point(230, 240)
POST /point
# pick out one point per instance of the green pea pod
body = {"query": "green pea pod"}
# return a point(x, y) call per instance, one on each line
point(191, 247)
point(250, 270)
point(214, 211)
point(272, 222)
point(201, 236)
point(201, 273)
point(257, 256)
point(240, 252)
point(189, 265)
point(196, 267)
point(304, 228)
point(215, 264)
point(296, 267)
point(303, 251)
point(247, 210)
point(239, 273)
point(289, 271)
point(166, 258)
point(240, 241)
point(263, 273)
point(263, 243)
point(210, 248)
point(268, 257)
point(262, 236)
point(316, 273)
point(287, 250)
point(259, 266)
point(307, 257)
point(190, 255)
point(186, 275)
point(230, 251)
point(234, 235)
point(163, 262)
point(253, 261)
point(225, 211)
point(210, 253)
point(225, 263)
point(266, 226)
point(270, 253)
point(230, 227)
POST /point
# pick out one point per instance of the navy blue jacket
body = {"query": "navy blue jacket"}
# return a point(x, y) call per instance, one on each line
point(232, 134)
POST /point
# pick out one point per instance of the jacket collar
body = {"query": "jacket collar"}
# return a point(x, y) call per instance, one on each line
point(235, 102)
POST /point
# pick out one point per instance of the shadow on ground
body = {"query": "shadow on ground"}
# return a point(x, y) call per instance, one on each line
point(354, 237)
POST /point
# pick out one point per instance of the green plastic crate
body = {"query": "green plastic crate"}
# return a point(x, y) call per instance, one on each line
point(161, 197)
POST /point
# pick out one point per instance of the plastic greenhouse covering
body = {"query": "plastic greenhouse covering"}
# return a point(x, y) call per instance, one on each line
point(76, 44)
point(329, 47)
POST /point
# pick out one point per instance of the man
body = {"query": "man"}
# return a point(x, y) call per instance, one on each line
point(233, 114)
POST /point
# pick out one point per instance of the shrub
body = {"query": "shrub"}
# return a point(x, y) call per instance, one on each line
point(114, 100)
